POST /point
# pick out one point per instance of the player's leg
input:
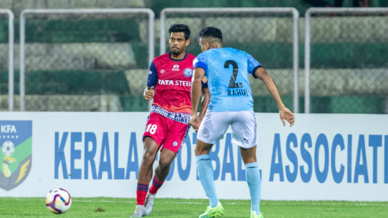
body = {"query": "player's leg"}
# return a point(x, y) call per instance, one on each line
point(161, 172)
point(145, 172)
point(252, 175)
point(205, 174)
point(245, 135)
point(213, 126)
point(152, 139)
point(174, 139)
point(205, 171)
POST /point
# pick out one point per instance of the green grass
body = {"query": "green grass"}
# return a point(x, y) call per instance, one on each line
point(124, 207)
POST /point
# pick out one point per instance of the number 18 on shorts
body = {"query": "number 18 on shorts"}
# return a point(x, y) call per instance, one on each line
point(166, 132)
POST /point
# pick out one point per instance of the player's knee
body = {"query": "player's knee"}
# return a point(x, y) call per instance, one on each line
point(150, 151)
point(149, 157)
point(164, 163)
point(200, 150)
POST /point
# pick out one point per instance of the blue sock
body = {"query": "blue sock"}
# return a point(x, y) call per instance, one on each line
point(205, 173)
point(254, 183)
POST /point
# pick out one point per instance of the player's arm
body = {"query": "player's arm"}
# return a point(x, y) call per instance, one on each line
point(196, 86)
point(204, 103)
point(263, 75)
point(285, 113)
point(149, 91)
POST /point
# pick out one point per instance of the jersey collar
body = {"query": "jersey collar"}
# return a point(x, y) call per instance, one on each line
point(169, 54)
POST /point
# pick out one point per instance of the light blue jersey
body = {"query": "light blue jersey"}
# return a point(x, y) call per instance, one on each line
point(227, 74)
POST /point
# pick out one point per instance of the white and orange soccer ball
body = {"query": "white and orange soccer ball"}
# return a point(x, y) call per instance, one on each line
point(58, 201)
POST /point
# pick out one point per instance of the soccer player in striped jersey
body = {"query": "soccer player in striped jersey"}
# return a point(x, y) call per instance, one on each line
point(231, 104)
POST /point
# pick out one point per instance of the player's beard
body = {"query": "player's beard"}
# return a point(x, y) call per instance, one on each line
point(177, 52)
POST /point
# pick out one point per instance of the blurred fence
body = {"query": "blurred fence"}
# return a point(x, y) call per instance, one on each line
point(78, 60)
point(6, 60)
point(269, 34)
point(348, 60)
point(85, 59)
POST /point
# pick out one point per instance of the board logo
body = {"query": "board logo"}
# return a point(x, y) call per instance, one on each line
point(205, 133)
point(188, 72)
point(16, 152)
point(246, 141)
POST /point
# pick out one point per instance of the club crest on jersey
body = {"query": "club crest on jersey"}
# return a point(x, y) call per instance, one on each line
point(175, 68)
point(188, 72)
point(15, 152)
point(162, 71)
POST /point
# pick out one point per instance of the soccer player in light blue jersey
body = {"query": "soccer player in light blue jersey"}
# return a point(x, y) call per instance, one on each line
point(231, 103)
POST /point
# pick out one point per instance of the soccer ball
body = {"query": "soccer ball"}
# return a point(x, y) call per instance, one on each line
point(58, 201)
point(8, 148)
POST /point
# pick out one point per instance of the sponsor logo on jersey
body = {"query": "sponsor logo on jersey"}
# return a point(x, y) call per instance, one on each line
point(174, 83)
point(188, 72)
point(15, 153)
point(178, 117)
point(162, 71)
point(175, 68)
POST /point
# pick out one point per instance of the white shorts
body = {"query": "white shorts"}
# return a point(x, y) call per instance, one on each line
point(215, 124)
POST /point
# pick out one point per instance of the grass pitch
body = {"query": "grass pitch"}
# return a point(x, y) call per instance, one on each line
point(124, 207)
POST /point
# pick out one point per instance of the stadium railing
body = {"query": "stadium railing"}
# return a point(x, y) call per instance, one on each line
point(257, 23)
point(350, 70)
point(10, 57)
point(98, 49)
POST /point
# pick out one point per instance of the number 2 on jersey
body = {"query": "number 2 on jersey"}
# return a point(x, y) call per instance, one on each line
point(151, 128)
point(232, 83)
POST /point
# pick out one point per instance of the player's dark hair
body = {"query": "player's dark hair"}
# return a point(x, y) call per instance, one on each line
point(177, 28)
point(211, 32)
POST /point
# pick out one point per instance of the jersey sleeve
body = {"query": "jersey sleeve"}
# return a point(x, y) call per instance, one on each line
point(253, 65)
point(152, 76)
point(200, 61)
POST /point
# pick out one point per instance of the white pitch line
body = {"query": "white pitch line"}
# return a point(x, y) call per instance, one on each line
point(327, 204)
point(293, 203)
point(183, 203)
point(90, 201)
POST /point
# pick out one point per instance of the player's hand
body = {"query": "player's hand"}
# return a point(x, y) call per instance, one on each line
point(149, 93)
point(199, 119)
point(194, 122)
point(286, 114)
